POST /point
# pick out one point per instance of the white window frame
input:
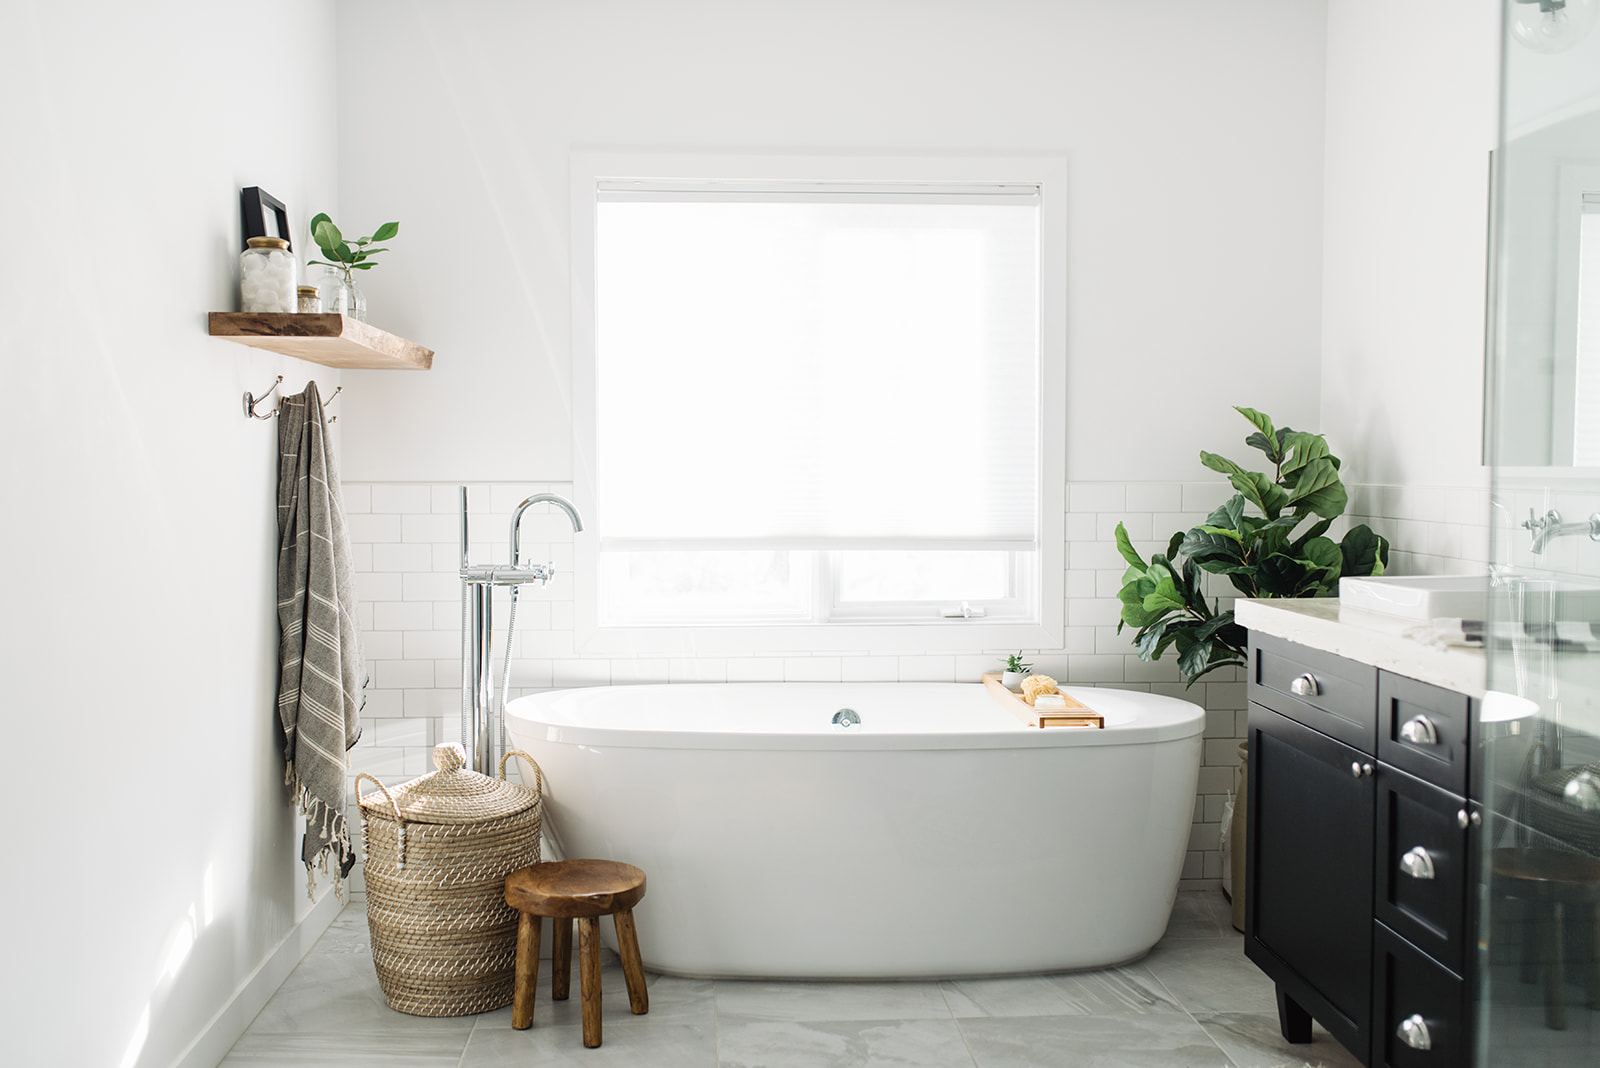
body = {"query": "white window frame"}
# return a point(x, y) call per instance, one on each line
point(1048, 173)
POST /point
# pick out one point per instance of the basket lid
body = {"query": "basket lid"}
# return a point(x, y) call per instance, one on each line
point(453, 794)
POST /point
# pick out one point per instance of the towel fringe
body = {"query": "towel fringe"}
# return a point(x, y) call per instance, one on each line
point(335, 836)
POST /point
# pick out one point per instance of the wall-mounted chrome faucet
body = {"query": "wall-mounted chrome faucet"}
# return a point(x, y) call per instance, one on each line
point(1549, 526)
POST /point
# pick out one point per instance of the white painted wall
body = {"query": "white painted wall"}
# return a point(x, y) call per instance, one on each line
point(152, 857)
point(1411, 120)
point(1193, 133)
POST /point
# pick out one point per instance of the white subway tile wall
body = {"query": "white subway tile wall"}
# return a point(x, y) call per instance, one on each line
point(405, 542)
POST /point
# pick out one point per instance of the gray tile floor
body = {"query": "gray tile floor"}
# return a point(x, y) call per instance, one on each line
point(1194, 1002)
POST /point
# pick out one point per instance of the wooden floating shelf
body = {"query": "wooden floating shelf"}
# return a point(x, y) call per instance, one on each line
point(1076, 714)
point(329, 339)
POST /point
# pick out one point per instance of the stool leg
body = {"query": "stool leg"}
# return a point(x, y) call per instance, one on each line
point(1594, 957)
point(527, 980)
point(589, 974)
point(1555, 963)
point(561, 959)
point(632, 965)
point(1532, 948)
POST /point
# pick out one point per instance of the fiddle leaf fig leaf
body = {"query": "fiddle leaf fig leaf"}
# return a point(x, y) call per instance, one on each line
point(1229, 515)
point(1220, 464)
point(1165, 595)
point(1125, 547)
point(1318, 490)
point(1261, 491)
point(1363, 552)
point(1260, 420)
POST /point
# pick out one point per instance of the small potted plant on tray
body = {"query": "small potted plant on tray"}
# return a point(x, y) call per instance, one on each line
point(1011, 679)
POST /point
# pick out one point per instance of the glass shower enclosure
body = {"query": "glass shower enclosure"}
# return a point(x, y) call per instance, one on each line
point(1537, 983)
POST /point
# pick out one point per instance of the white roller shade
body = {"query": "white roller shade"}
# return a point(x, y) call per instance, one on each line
point(816, 368)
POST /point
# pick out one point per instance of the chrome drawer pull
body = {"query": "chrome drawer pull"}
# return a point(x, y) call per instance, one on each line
point(1413, 1031)
point(1305, 686)
point(1419, 730)
point(1417, 863)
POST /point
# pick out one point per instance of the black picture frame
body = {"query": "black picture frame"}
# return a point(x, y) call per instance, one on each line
point(262, 215)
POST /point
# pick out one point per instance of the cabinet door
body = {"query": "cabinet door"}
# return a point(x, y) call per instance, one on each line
point(1309, 884)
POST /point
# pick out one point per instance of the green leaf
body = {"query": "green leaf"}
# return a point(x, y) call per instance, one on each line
point(1229, 514)
point(1318, 490)
point(1125, 547)
point(1363, 552)
point(386, 231)
point(1215, 665)
point(327, 235)
point(1173, 545)
point(1260, 420)
point(1165, 595)
point(1203, 545)
point(1192, 661)
point(1220, 463)
point(1261, 491)
point(1303, 448)
point(1272, 448)
point(1324, 554)
point(362, 266)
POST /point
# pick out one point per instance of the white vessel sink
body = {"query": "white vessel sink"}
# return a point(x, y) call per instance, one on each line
point(1527, 598)
point(1419, 597)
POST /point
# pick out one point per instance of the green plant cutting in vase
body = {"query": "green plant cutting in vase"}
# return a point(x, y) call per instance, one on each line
point(1256, 541)
point(346, 256)
point(1014, 663)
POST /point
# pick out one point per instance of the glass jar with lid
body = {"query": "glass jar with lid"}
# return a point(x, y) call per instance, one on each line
point(266, 276)
point(310, 300)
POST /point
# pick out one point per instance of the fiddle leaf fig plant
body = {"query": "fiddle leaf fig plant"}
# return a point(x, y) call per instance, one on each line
point(344, 255)
point(1257, 541)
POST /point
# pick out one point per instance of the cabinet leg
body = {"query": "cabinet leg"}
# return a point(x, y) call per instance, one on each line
point(1293, 1021)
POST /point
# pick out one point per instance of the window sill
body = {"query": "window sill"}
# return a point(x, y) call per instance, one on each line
point(935, 636)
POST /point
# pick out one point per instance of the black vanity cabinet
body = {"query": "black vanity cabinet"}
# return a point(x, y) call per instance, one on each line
point(1357, 866)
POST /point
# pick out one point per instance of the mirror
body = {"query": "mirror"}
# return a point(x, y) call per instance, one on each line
point(1547, 398)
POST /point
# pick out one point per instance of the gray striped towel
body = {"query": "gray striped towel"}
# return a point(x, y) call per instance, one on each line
point(321, 671)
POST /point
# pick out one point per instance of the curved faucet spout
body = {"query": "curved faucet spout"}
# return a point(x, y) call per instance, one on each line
point(539, 498)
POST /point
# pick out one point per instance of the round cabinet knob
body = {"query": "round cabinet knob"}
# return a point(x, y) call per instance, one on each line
point(1366, 769)
point(1419, 730)
point(1305, 686)
point(1413, 1031)
point(1355, 770)
point(1417, 863)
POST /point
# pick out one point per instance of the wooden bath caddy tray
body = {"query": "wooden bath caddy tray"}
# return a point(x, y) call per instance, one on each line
point(1074, 715)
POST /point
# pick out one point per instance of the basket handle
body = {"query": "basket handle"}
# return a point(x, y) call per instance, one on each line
point(538, 773)
point(399, 821)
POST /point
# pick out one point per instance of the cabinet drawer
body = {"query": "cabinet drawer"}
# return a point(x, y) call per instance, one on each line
point(1422, 865)
point(1325, 692)
point(1407, 985)
point(1423, 729)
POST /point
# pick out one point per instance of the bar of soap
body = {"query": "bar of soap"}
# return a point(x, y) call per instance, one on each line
point(1050, 702)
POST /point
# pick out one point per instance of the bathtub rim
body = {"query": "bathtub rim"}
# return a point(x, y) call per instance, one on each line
point(1183, 719)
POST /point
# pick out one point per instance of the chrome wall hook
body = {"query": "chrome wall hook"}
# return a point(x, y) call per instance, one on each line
point(331, 398)
point(251, 401)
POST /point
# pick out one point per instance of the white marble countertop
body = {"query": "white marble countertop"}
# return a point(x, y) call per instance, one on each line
point(1362, 636)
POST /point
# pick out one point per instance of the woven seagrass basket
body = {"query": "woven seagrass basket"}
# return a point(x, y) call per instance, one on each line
point(438, 850)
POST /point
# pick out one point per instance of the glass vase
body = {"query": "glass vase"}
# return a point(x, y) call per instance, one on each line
point(341, 295)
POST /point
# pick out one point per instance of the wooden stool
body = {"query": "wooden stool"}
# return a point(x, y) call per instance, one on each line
point(1553, 879)
point(582, 890)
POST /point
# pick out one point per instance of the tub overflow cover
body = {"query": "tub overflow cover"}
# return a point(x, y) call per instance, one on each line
point(846, 718)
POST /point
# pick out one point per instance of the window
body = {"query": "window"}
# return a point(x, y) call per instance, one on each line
point(814, 403)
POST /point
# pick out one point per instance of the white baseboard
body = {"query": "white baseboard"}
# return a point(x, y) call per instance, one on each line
point(252, 995)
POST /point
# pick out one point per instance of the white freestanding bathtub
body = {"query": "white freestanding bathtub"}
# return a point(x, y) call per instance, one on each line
point(940, 837)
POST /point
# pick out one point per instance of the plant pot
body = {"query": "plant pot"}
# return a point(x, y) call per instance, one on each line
point(1012, 680)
